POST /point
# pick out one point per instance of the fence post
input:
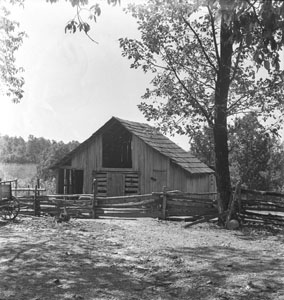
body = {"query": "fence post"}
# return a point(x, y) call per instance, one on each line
point(164, 204)
point(36, 203)
point(232, 204)
point(16, 187)
point(95, 201)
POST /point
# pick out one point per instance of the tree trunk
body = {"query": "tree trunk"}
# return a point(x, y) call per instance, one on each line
point(220, 122)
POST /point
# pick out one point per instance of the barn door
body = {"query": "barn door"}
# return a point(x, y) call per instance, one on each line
point(115, 184)
point(159, 180)
point(60, 181)
point(78, 181)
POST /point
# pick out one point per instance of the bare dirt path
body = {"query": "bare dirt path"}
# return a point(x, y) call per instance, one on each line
point(137, 259)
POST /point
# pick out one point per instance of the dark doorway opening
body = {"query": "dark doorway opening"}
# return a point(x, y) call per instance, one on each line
point(78, 180)
point(117, 148)
point(70, 181)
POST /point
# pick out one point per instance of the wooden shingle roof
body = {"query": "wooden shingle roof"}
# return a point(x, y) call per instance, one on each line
point(152, 137)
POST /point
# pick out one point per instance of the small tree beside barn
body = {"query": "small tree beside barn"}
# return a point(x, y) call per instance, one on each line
point(128, 158)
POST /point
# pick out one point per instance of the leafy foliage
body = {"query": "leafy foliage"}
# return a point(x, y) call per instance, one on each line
point(202, 145)
point(256, 155)
point(11, 38)
point(51, 155)
point(78, 22)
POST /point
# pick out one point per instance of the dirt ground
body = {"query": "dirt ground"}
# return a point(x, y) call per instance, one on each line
point(137, 259)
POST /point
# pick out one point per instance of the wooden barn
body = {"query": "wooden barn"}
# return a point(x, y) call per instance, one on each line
point(131, 158)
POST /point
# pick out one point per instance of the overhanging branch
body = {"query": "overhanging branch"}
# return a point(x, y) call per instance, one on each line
point(200, 44)
point(214, 35)
point(195, 101)
point(237, 62)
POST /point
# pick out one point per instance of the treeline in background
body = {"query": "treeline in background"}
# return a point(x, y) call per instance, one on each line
point(29, 160)
point(256, 154)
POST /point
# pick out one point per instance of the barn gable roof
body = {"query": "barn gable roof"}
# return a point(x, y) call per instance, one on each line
point(152, 137)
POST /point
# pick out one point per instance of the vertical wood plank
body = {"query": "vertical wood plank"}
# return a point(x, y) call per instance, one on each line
point(95, 201)
point(16, 187)
point(36, 202)
point(115, 184)
point(164, 204)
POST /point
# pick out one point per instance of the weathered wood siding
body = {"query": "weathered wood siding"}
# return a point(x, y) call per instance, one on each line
point(152, 166)
point(89, 159)
point(157, 171)
point(183, 181)
point(154, 169)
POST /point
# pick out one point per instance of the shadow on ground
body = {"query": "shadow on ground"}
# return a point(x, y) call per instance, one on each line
point(64, 263)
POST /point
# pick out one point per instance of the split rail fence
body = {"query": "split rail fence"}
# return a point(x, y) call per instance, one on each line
point(30, 198)
point(260, 207)
point(250, 206)
point(163, 205)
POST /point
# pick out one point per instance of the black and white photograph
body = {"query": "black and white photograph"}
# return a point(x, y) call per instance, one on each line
point(141, 149)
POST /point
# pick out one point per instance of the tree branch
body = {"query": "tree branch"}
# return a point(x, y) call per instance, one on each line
point(214, 35)
point(195, 101)
point(201, 45)
point(253, 8)
point(237, 62)
point(233, 105)
point(195, 76)
point(81, 21)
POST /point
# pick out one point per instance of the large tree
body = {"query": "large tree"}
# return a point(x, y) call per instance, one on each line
point(204, 56)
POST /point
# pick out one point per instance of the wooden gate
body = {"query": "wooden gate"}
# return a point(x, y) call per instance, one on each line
point(115, 184)
point(137, 206)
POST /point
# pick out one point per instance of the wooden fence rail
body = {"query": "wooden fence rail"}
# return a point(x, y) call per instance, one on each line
point(82, 206)
point(77, 205)
point(261, 207)
point(163, 205)
point(129, 206)
point(250, 205)
point(190, 206)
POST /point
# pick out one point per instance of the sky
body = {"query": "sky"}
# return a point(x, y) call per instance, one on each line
point(72, 85)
